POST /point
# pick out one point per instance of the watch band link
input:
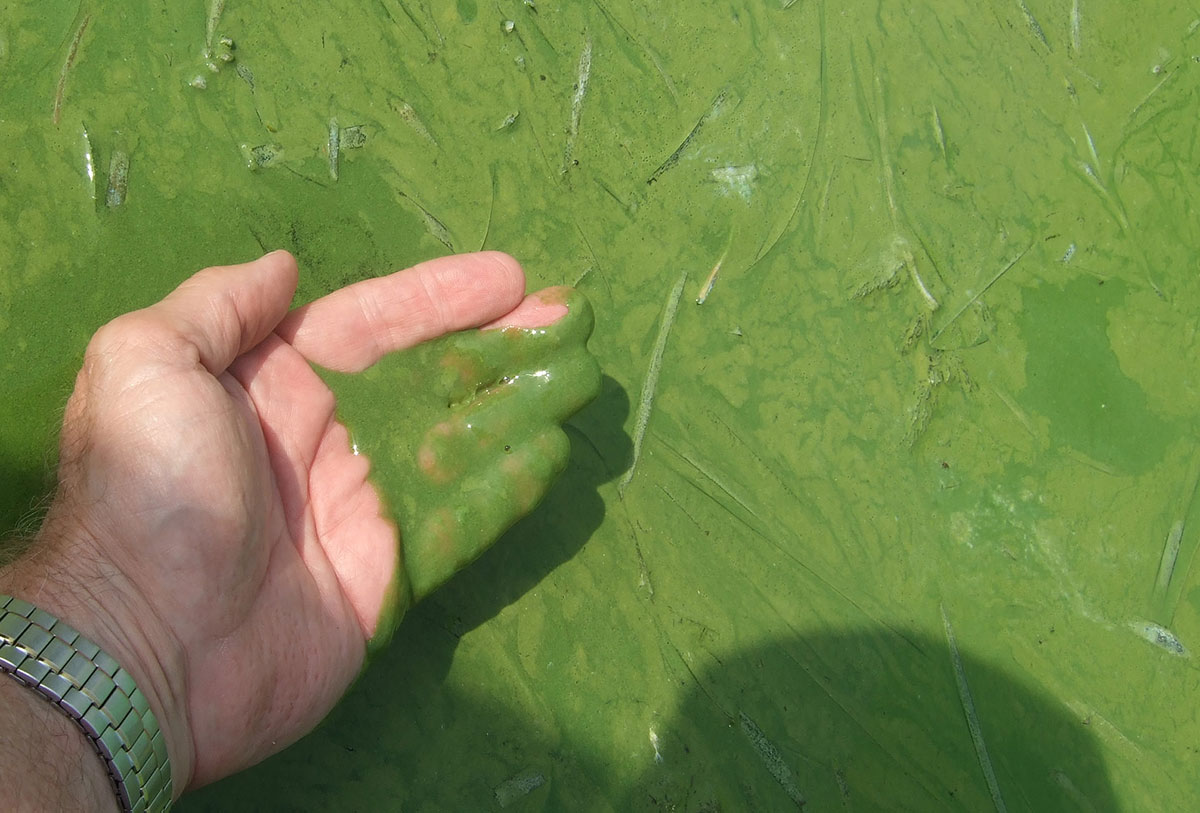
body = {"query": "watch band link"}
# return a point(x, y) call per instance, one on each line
point(88, 684)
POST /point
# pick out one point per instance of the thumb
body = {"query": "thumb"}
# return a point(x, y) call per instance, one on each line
point(225, 311)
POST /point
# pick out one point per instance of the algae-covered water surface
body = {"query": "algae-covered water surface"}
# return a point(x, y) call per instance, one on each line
point(889, 499)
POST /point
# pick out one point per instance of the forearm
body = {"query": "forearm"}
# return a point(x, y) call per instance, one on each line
point(46, 762)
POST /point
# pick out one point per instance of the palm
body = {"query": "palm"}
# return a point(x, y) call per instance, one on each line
point(302, 570)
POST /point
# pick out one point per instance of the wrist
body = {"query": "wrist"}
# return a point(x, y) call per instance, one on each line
point(46, 762)
point(63, 574)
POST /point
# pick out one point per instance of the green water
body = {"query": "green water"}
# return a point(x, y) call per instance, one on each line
point(947, 364)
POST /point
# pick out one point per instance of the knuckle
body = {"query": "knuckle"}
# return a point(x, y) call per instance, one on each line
point(556, 448)
point(128, 333)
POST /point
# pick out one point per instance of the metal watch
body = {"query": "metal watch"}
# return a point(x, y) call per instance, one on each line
point(88, 684)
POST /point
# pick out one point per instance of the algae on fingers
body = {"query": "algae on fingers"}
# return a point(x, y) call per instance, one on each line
point(471, 440)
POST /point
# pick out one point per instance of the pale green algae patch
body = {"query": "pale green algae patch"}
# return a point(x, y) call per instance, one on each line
point(874, 416)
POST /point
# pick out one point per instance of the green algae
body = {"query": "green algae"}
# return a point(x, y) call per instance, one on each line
point(463, 434)
point(806, 499)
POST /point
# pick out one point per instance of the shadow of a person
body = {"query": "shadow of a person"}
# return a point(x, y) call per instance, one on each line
point(867, 720)
point(863, 719)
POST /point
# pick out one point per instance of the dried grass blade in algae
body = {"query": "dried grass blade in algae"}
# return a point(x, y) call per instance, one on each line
point(650, 384)
point(972, 716)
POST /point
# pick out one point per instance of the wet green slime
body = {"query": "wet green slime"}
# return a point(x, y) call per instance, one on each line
point(464, 437)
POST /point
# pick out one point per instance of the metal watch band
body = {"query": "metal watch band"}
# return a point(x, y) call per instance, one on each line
point(88, 684)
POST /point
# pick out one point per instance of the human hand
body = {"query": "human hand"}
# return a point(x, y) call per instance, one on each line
point(214, 529)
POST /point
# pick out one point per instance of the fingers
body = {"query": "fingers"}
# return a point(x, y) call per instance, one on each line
point(539, 309)
point(222, 311)
point(352, 328)
point(485, 505)
point(479, 359)
point(463, 431)
point(294, 407)
point(497, 447)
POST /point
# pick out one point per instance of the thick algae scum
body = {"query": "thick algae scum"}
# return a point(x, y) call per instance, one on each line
point(889, 495)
